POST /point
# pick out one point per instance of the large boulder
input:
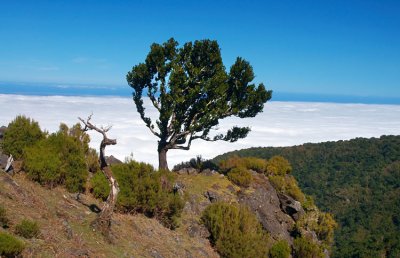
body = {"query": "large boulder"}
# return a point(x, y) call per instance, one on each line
point(290, 206)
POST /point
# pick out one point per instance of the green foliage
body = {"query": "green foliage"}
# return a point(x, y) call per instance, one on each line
point(196, 163)
point(235, 231)
point(358, 181)
point(280, 249)
point(27, 229)
point(306, 248)
point(4, 221)
point(59, 160)
point(240, 176)
point(10, 246)
point(99, 186)
point(144, 190)
point(278, 165)
point(21, 132)
point(288, 185)
point(192, 91)
point(43, 164)
point(256, 164)
point(325, 227)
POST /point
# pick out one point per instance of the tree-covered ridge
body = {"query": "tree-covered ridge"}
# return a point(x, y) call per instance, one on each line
point(358, 181)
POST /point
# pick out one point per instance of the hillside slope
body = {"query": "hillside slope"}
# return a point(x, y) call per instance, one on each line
point(358, 181)
point(65, 226)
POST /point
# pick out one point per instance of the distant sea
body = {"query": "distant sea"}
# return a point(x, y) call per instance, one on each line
point(60, 89)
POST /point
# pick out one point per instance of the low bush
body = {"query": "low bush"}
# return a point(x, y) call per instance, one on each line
point(4, 221)
point(235, 231)
point(20, 133)
point(278, 165)
point(287, 184)
point(306, 248)
point(27, 229)
point(197, 163)
point(58, 160)
point(240, 176)
point(280, 249)
point(99, 186)
point(256, 164)
point(10, 246)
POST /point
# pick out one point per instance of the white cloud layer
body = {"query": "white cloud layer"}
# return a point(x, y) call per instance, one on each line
point(281, 124)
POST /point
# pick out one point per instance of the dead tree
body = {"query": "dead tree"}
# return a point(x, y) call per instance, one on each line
point(103, 220)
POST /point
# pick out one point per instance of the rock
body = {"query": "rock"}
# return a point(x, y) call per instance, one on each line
point(112, 160)
point(187, 171)
point(264, 202)
point(208, 172)
point(211, 196)
point(290, 206)
point(3, 160)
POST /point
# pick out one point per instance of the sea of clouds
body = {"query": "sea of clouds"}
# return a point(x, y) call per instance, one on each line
point(281, 124)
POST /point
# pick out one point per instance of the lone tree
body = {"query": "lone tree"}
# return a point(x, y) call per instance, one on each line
point(191, 89)
point(103, 220)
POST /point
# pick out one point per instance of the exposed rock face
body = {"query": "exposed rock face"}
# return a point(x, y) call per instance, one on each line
point(112, 160)
point(291, 206)
point(265, 203)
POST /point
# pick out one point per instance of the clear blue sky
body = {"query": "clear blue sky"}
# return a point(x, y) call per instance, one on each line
point(322, 47)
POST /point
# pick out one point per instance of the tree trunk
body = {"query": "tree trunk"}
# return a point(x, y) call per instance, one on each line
point(103, 220)
point(162, 159)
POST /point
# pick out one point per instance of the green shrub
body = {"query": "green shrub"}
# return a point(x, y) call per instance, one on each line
point(3, 218)
point(10, 246)
point(306, 248)
point(235, 231)
point(278, 165)
point(21, 132)
point(27, 229)
point(99, 186)
point(287, 184)
point(280, 249)
point(58, 160)
point(144, 190)
point(256, 164)
point(43, 164)
point(240, 176)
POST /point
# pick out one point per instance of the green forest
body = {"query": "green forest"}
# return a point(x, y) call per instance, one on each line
point(358, 181)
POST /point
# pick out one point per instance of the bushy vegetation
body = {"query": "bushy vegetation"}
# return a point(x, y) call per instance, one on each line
point(197, 163)
point(358, 181)
point(278, 165)
point(280, 249)
point(306, 248)
point(27, 229)
point(10, 246)
point(240, 176)
point(21, 132)
point(258, 165)
point(99, 186)
point(235, 231)
point(4, 221)
point(59, 159)
point(144, 190)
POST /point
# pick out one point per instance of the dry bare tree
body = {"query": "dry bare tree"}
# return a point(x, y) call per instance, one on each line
point(103, 221)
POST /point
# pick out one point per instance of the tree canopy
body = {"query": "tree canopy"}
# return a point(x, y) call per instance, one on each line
point(191, 90)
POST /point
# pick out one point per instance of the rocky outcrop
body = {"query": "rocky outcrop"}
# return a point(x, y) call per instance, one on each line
point(266, 204)
point(290, 206)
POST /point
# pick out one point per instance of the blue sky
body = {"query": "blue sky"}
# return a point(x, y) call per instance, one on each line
point(297, 47)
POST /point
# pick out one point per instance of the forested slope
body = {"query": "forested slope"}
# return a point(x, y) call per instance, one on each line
point(358, 181)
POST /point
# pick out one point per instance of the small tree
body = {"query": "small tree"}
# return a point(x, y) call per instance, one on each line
point(191, 90)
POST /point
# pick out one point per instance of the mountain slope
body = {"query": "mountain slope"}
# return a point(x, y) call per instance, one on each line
point(358, 181)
